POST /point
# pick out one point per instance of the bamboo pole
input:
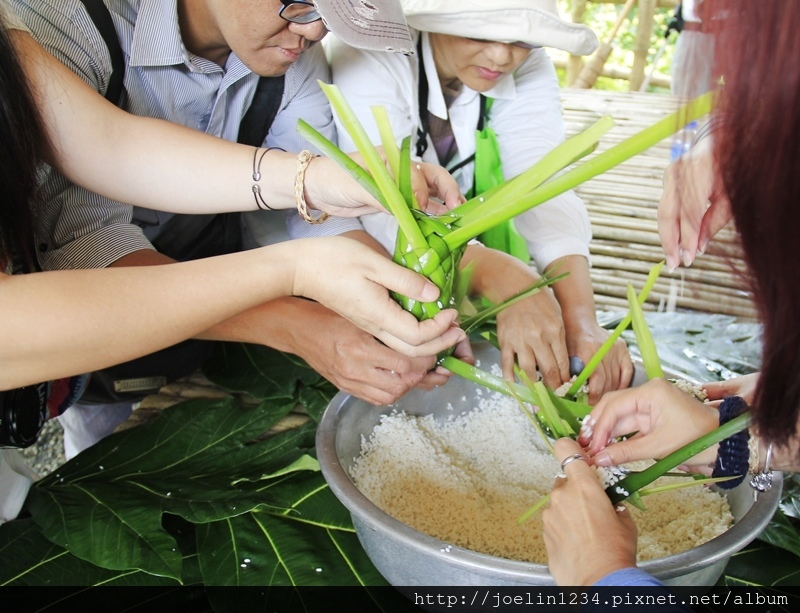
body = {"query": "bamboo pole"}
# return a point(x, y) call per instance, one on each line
point(641, 48)
point(574, 63)
point(612, 72)
point(595, 65)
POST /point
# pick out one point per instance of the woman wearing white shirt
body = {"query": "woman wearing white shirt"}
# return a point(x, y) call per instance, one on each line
point(456, 63)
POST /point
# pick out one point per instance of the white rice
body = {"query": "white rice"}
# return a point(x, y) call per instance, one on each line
point(466, 481)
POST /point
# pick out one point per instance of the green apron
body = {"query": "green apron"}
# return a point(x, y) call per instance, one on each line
point(488, 166)
point(488, 173)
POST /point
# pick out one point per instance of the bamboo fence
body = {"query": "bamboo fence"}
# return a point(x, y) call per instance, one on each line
point(623, 205)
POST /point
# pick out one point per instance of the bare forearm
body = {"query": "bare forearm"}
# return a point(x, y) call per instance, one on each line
point(65, 322)
point(574, 293)
point(286, 324)
point(186, 170)
point(496, 275)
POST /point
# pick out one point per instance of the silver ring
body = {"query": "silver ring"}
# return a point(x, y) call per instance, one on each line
point(572, 458)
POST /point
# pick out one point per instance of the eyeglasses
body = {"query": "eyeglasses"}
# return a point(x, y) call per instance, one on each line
point(299, 12)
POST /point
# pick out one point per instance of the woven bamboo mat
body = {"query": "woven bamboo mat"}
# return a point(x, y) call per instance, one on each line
point(622, 205)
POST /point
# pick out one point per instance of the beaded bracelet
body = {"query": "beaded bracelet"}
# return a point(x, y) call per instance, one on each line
point(733, 453)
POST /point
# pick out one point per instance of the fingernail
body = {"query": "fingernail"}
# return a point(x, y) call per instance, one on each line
point(703, 246)
point(419, 167)
point(672, 263)
point(602, 459)
point(429, 292)
point(687, 258)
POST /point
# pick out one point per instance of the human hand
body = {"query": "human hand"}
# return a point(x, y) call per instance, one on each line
point(439, 375)
point(531, 332)
point(585, 536)
point(693, 205)
point(331, 189)
point(356, 363)
point(356, 288)
point(663, 417)
point(744, 387)
point(616, 369)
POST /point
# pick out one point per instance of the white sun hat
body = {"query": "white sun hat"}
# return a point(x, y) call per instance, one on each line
point(536, 22)
point(367, 24)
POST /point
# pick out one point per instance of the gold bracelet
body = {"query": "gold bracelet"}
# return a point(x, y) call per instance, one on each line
point(303, 160)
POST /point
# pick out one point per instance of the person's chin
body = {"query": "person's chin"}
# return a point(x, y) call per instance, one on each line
point(275, 63)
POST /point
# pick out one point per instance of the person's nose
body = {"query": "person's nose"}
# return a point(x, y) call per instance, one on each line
point(313, 31)
point(500, 53)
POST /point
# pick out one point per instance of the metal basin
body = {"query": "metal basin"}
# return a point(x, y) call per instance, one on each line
point(407, 557)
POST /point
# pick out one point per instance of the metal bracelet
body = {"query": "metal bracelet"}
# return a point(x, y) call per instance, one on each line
point(762, 480)
point(260, 202)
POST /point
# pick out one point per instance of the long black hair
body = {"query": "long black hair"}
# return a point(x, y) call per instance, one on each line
point(23, 145)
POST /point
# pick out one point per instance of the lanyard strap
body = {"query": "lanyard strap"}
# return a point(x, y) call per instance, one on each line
point(422, 104)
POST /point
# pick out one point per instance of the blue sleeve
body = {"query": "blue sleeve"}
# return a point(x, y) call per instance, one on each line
point(635, 587)
point(628, 576)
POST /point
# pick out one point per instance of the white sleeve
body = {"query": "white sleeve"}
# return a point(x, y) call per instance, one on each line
point(371, 78)
point(528, 127)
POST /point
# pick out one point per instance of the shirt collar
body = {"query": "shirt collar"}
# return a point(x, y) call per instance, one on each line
point(505, 88)
point(157, 35)
point(157, 41)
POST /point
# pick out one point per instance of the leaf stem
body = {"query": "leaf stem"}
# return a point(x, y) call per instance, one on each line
point(597, 358)
point(512, 198)
point(650, 359)
point(377, 168)
point(625, 150)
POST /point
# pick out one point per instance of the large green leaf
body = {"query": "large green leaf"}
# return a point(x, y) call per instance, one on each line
point(313, 502)
point(762, 564)
point(30, 559)
point(198, 460)
point(264, 373)
point(790, 497)
point(315, 398)
point(782, 532)
point(262, 549)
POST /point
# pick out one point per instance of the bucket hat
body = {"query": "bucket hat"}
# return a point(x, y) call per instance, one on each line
point(536, 22)
point(367, 24)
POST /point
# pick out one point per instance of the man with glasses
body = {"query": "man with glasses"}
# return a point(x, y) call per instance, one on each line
point(199, 63)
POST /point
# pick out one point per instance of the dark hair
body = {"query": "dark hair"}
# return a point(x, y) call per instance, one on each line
point(757, 149)
point(23, 144)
